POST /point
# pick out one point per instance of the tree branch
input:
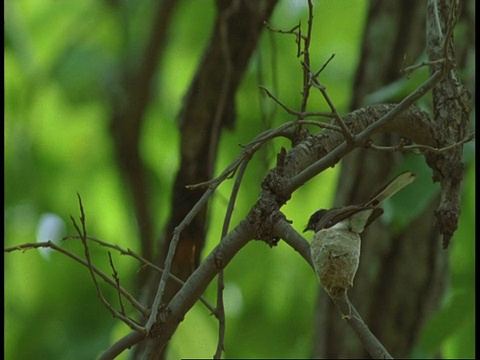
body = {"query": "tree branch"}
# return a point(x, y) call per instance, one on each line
point(369, 341)
point(185, 298)
point(276, 189)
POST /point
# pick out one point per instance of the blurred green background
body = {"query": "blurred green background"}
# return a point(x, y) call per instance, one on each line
point(61, 60)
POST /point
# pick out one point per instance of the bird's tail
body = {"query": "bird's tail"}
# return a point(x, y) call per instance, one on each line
point(392, 188)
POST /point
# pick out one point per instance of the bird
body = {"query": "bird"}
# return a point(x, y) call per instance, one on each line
point(335, 248)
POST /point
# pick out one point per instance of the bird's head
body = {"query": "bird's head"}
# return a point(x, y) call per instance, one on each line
point(314, 220)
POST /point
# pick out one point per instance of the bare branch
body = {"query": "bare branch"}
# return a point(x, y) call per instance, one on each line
point(300, 114)
point(317, 74)
point(220, 310)
point(117, 282)
point(105, 277)
point(296, 30)
point(124, 343)
point(323, 91)
point(341, 150)
point(422, 148)
point(134, 255)
point(409, 69)
point(199, 280)
point(373, 346)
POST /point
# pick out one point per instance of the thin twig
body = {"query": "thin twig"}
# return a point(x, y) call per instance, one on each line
point(171, 252)
point(83, 236)
point(315, 83)
point(117, 282)
point(306, 60)
point(299, 114)
point(296, 30)
point(317, 74)
point(220, 314)
point(247, 152)
point(405, 148)
point(409, 69)
point(340, 151)
point(146, 262)
point(321, 125)
point(305, 52)
point(101, 274)
point(220, 309)
point(255, 144)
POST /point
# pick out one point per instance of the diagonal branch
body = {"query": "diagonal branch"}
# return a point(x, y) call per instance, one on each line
point(393, 113)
